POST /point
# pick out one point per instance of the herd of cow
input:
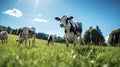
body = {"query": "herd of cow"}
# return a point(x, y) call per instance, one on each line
point(73, 32)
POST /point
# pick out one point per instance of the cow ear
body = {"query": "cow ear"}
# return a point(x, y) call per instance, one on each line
point(57, 18)
point(71, 17)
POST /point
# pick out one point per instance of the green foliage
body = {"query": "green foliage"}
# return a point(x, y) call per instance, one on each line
point(93, 36)
point(3, 28)
point(114, 37)
point(41, 55)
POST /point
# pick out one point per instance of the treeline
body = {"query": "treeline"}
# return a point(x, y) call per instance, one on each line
point(38, 35)
point(92, 36)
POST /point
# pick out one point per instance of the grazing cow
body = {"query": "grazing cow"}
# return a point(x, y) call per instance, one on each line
point(73, 30)
point(25, 34)
point(4, 36)
point(51, 39)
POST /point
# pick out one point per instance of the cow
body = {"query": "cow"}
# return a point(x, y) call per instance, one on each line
point(73, 30)
point(51, 39)
point(4, 36)
point(25, 34)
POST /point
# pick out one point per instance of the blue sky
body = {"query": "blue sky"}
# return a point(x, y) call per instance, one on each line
point(41, 14)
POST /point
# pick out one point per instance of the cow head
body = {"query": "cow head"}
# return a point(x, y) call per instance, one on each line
point(64, 20)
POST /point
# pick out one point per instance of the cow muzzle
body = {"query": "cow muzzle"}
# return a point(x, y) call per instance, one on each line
point(61, 25)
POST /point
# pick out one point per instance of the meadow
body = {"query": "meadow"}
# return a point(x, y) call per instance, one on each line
point(58, 55)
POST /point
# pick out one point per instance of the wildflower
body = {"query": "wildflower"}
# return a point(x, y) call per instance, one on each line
point(92, 61)
point(73, 56)
point(17, 57)
point(91, 50)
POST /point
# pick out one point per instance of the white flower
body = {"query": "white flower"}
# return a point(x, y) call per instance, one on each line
point(92, 61)
point(91, 51)
point(17, 57)
point(73, 56)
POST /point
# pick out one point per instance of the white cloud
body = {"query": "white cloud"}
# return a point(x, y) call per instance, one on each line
point(40, 20)
point(14, 12)
point(106, 38)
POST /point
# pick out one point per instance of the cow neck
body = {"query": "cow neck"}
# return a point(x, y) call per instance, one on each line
point(72, 29)
point(67, 28)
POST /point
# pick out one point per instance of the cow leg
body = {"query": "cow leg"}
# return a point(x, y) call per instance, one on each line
point(6, 40)
point(80, 39)
point(33, 40)
point(74, 40)
point(48, 43)
point(29, 41)
point(2, 41)
point(25, 41)
point(18, 42)
point(67, 43)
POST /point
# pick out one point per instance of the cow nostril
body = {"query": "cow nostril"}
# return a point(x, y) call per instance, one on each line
point(61, 25)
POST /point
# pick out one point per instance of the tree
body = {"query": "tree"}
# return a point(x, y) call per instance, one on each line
point(93, 36)
point(86, 37)
point(9, 29)
point(97, 27)
point(114, 38)
point(42, 36)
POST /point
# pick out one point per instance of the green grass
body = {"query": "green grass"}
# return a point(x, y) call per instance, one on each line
point(41, 55)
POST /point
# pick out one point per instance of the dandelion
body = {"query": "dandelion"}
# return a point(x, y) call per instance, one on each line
point(92, 61)
point(45, 54)
point(17, 57)
point(73, 56)
point(91, 51)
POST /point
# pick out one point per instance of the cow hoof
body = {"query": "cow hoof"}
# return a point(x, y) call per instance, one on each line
point(74, 44)
point(67, 45)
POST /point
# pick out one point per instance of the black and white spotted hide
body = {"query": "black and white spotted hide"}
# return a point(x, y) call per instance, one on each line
point(51, 39)
point(25, 34)
point(73, 30)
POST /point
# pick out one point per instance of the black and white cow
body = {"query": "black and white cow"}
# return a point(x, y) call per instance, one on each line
point(25, 34)
point(4, 36)
point(73, 30)
point(51, 39)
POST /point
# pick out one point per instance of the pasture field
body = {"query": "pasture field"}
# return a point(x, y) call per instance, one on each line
point(41, 55)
